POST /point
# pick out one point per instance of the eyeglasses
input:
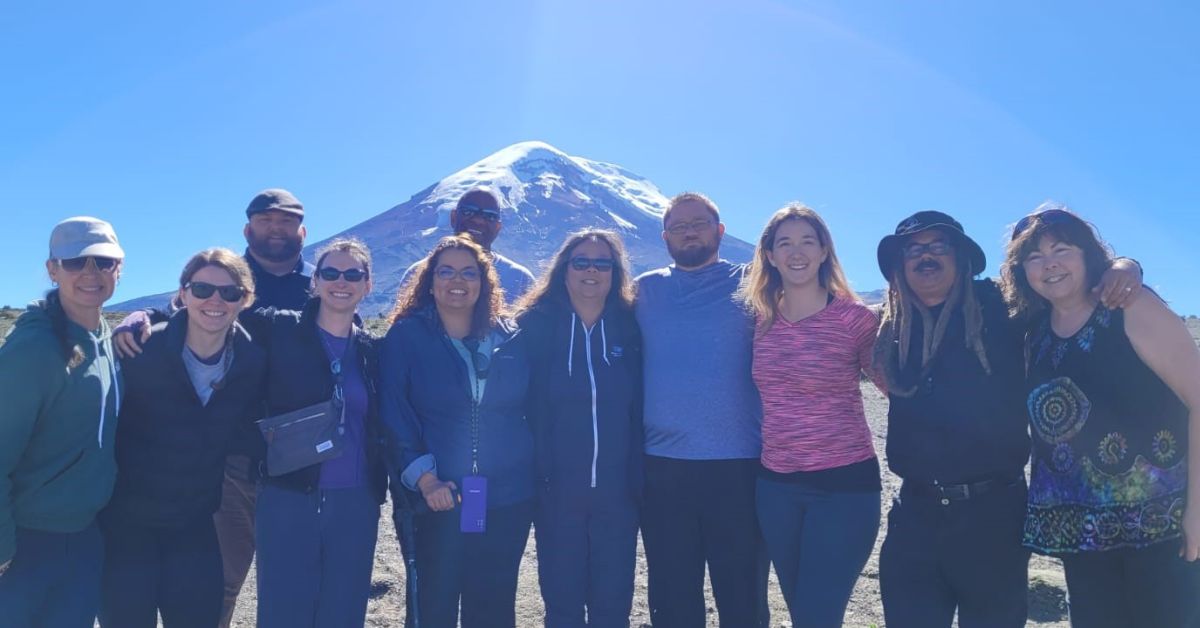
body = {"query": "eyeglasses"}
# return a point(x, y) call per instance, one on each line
point(445, 273)
point(479, 360)
point(353, 275)
point(699, 226)
point(202, 290)
point(471, 211)
point(77, 264)
point(1045, 217)
point(602, 264)
point(936, 248)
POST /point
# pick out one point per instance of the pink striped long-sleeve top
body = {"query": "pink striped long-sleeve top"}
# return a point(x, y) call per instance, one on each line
point(807, 373)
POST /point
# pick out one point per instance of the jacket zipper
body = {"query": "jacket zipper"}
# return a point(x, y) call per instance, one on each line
point(592, 381)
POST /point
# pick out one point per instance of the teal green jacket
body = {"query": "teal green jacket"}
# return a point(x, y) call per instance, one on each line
point(57, 428)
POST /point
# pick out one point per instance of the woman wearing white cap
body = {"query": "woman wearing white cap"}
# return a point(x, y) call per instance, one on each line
point(61, 390)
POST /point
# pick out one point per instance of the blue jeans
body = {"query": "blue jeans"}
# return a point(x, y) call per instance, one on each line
point(315, 555)
point(54, 579)
point(1133, 588)
point(819, 542)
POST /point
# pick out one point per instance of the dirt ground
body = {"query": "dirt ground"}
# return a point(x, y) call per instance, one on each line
point(1047, 591)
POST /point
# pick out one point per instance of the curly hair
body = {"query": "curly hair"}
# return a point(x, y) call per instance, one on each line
point(552, 283)
point(417, 292)
point(1062, 225)
point(763, 286)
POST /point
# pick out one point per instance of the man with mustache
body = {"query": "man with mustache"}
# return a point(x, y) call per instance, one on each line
point(477, 215)
point(957, 433)
point(702, 423)
point(274, 234)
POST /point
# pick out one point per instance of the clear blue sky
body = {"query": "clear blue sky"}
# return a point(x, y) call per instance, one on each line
point(166, 117)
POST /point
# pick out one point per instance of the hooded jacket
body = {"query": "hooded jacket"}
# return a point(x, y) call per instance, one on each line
point(57, 428)
point(171, 447)
point(586, 405)
point(427, 408)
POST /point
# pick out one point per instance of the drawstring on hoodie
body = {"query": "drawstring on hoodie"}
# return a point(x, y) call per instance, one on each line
point(104, 390)
point(571, 348)
point(604, 343)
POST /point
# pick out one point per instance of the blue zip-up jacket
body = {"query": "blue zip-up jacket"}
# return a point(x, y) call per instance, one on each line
point(426, 406)
point(586, 406)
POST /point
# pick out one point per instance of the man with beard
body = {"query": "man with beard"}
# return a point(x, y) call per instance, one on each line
point(274, 234)
point(477, 215)
point(957, 436)
point(702, 424)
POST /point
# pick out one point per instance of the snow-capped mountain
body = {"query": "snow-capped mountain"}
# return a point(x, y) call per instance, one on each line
point(545, 194)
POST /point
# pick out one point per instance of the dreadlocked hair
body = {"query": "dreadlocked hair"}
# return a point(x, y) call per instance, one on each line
point(71, 352)
point(893, 346)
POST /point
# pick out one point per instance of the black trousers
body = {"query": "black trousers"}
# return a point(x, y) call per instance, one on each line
point(962, 554)
point(175, 571)
point(699, 512)
point(1149, 587)
point(479, 568)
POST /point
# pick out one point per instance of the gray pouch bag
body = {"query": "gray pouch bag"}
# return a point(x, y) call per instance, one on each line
point(303, 437)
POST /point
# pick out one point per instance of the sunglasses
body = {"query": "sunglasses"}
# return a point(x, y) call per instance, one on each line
point(202, 290)
point(1045, 217)
point(353, 275)
point(602, 264)
point(445, 273)
point(479, 360)
point(471, 211)
point(77, 264)
point(936, 248)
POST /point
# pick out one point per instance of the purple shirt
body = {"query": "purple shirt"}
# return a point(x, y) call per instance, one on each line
point(348, 470)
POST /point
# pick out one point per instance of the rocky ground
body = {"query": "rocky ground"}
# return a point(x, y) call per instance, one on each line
point(1047, 591)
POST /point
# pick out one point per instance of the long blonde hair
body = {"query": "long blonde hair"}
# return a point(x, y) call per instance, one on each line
point(762, 288)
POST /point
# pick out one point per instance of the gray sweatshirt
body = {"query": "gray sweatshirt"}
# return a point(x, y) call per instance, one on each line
point(701, 403)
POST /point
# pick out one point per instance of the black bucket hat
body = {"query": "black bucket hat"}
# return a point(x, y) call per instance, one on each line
point(889, 247)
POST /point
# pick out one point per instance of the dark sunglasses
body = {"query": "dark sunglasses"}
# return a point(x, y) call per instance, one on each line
point(1045, 217)
point(202, 290)
point(353, 275)
point(77, 264)
point(479, 360)
point(936, 248)
point(602, 264)
point(471, 211)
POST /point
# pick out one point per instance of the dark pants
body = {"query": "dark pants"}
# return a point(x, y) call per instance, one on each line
point(175, 571)
point(1149, 587)
point(819, 542)
point(700, 512)
point(53, 580)
point(235, 531)
point(587, 548)
point(479, 568)
point(964, 554)
point(315, 556)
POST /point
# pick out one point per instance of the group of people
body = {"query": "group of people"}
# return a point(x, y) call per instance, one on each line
point(715, 407)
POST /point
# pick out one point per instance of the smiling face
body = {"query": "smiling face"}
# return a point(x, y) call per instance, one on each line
point(86, 289)
point(451, 290)
point(211, 315)
point(275, 236)
point(590, 284)
point(930, 274)
point(797, 253)
point(1056, 270)
point(477, 216)
point(340, 295)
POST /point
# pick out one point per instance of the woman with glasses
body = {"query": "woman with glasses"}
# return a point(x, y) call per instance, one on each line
point(196, 383)
point(1114, 408)
point(61, 389)
point(818, 490)
point(586, 412)
point(454, 378)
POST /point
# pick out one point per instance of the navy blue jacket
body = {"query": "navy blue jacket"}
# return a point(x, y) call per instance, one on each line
point(427, 407)
point(586, 403)
point(298, 375)
point(171, 448)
